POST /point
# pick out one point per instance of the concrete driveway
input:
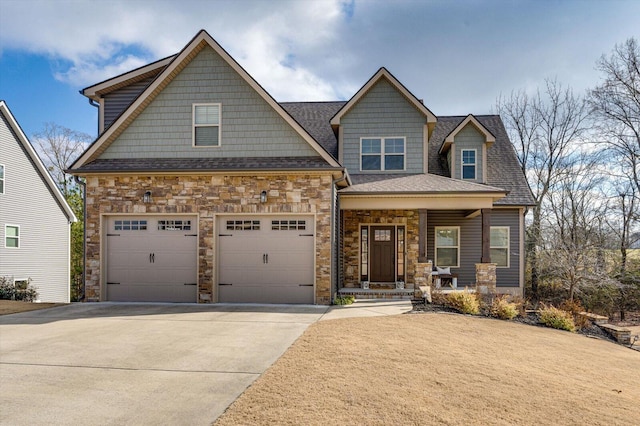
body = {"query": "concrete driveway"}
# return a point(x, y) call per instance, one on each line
point(138, 364)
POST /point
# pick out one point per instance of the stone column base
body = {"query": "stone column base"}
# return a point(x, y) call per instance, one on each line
point(486, 278)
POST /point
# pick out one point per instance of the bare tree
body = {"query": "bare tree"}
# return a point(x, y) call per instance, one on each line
point(58, 146)
point(616, 105)
point(545, 129)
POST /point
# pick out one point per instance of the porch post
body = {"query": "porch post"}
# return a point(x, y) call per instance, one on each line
point(486, 236)
point(422, 235)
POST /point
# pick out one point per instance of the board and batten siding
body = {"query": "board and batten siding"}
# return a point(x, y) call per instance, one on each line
point(118, 100)
point(468, 138)
point(43, 254)
point(383, 112)
point(471, 240)
point(250, 126)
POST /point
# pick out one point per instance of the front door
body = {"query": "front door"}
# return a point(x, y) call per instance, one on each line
point(383, 254)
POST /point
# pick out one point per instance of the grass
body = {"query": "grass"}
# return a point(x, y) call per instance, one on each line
point(442, 369)
point(13, 307)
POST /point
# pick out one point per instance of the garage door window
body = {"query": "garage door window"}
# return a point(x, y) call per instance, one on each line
point(130, 225)
point(288, 225)
point(174, 225)
point(243, 225)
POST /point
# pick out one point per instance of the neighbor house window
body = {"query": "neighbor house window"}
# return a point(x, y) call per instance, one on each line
point(500, 246)
point(206, 124)
point(382, 154)
point(12, 236)
point(447, 246)
point(468, 164)
point(1, 179)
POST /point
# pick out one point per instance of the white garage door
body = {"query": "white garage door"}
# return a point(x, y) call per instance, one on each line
point(266, 259)
point(152, 259)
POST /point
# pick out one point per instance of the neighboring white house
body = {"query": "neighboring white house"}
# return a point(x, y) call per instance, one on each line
point(35, 219)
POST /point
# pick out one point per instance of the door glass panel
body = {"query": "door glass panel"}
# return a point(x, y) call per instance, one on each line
point(364, 253)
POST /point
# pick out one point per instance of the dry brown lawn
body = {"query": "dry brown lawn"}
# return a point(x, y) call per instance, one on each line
point(440, 368)
point(14, 307)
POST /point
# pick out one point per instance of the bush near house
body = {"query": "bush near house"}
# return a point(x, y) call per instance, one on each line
point(502, 308)
point(12, 291)
point(557, 318)
point(464, 302)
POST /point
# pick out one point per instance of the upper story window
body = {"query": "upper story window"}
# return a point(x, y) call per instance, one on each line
point(500, 246)
point(1, 179)
point(382, 154)
point(12, 236)
point(468, 164)
point(206, 124)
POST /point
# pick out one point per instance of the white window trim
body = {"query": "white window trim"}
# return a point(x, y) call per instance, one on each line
point(474, 164)
point(382, 153)
point(508, 246)
point(18, 237)
point(193, 125)
point(3, 179)
point(435, 246)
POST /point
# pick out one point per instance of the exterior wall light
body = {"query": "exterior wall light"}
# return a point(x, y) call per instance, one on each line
point(147, 197)
point(263, 197)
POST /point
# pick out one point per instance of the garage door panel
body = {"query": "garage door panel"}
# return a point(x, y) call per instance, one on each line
point(151, 263)
point(271, 263)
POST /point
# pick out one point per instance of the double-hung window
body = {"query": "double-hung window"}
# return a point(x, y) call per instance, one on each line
point(382, 154)
point(1, 179)
point(12, 236)
point(206, 124)
point(468, 164)
point(500, 246)
point(447, 246)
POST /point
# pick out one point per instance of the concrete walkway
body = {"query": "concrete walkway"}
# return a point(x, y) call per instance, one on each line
point(139, 364)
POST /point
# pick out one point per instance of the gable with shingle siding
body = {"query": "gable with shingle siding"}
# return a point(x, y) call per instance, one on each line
point(381, 112)
point(249, 126)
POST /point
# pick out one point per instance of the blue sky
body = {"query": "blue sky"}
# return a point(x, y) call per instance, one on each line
point(456, 55)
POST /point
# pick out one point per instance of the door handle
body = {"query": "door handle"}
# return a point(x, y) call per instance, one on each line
point(267, 257)
point(149, 257)
point(264, 258)
point(153, 257)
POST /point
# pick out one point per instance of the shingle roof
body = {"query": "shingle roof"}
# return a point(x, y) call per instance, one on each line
point(315, 118)
point(415, 183)
point(503, 167)
point(205, 164)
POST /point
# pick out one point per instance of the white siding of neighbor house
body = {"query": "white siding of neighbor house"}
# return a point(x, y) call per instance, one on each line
point(250, 126)
point(43, 255)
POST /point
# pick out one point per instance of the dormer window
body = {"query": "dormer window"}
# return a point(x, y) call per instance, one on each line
point(469, 164)
point(382, 154)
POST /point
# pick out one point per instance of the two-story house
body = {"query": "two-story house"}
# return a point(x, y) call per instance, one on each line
point(35, 219)
point(202, 187)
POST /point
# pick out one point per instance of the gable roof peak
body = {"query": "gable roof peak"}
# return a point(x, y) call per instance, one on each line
point(384, 73)
point(469, 119)
point(166, 75)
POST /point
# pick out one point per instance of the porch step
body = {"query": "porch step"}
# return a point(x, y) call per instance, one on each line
point(364, 294)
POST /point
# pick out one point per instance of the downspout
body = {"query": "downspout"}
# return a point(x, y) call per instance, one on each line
point(84, 234)
point(94, 104)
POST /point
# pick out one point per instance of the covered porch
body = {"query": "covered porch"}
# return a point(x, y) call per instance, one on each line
point(391, 241)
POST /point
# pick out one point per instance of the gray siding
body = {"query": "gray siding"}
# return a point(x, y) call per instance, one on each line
point(468, 138)
point(43, 255)
point(471, 240)
point(118, 100)
point(383, 112)
point(250, 126)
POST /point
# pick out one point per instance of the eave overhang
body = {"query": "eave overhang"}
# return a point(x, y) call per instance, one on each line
point(449, 139)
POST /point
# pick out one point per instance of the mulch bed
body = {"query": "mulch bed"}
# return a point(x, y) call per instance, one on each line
point(531, 318)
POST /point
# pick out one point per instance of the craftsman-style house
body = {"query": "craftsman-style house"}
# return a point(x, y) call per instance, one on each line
point(203, 188)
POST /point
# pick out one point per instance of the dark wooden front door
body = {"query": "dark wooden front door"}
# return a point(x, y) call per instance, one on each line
point(383, 254)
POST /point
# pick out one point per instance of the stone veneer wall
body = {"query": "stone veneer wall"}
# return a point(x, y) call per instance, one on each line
point(486, 277)
point(351, 219)
point(207, 196)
